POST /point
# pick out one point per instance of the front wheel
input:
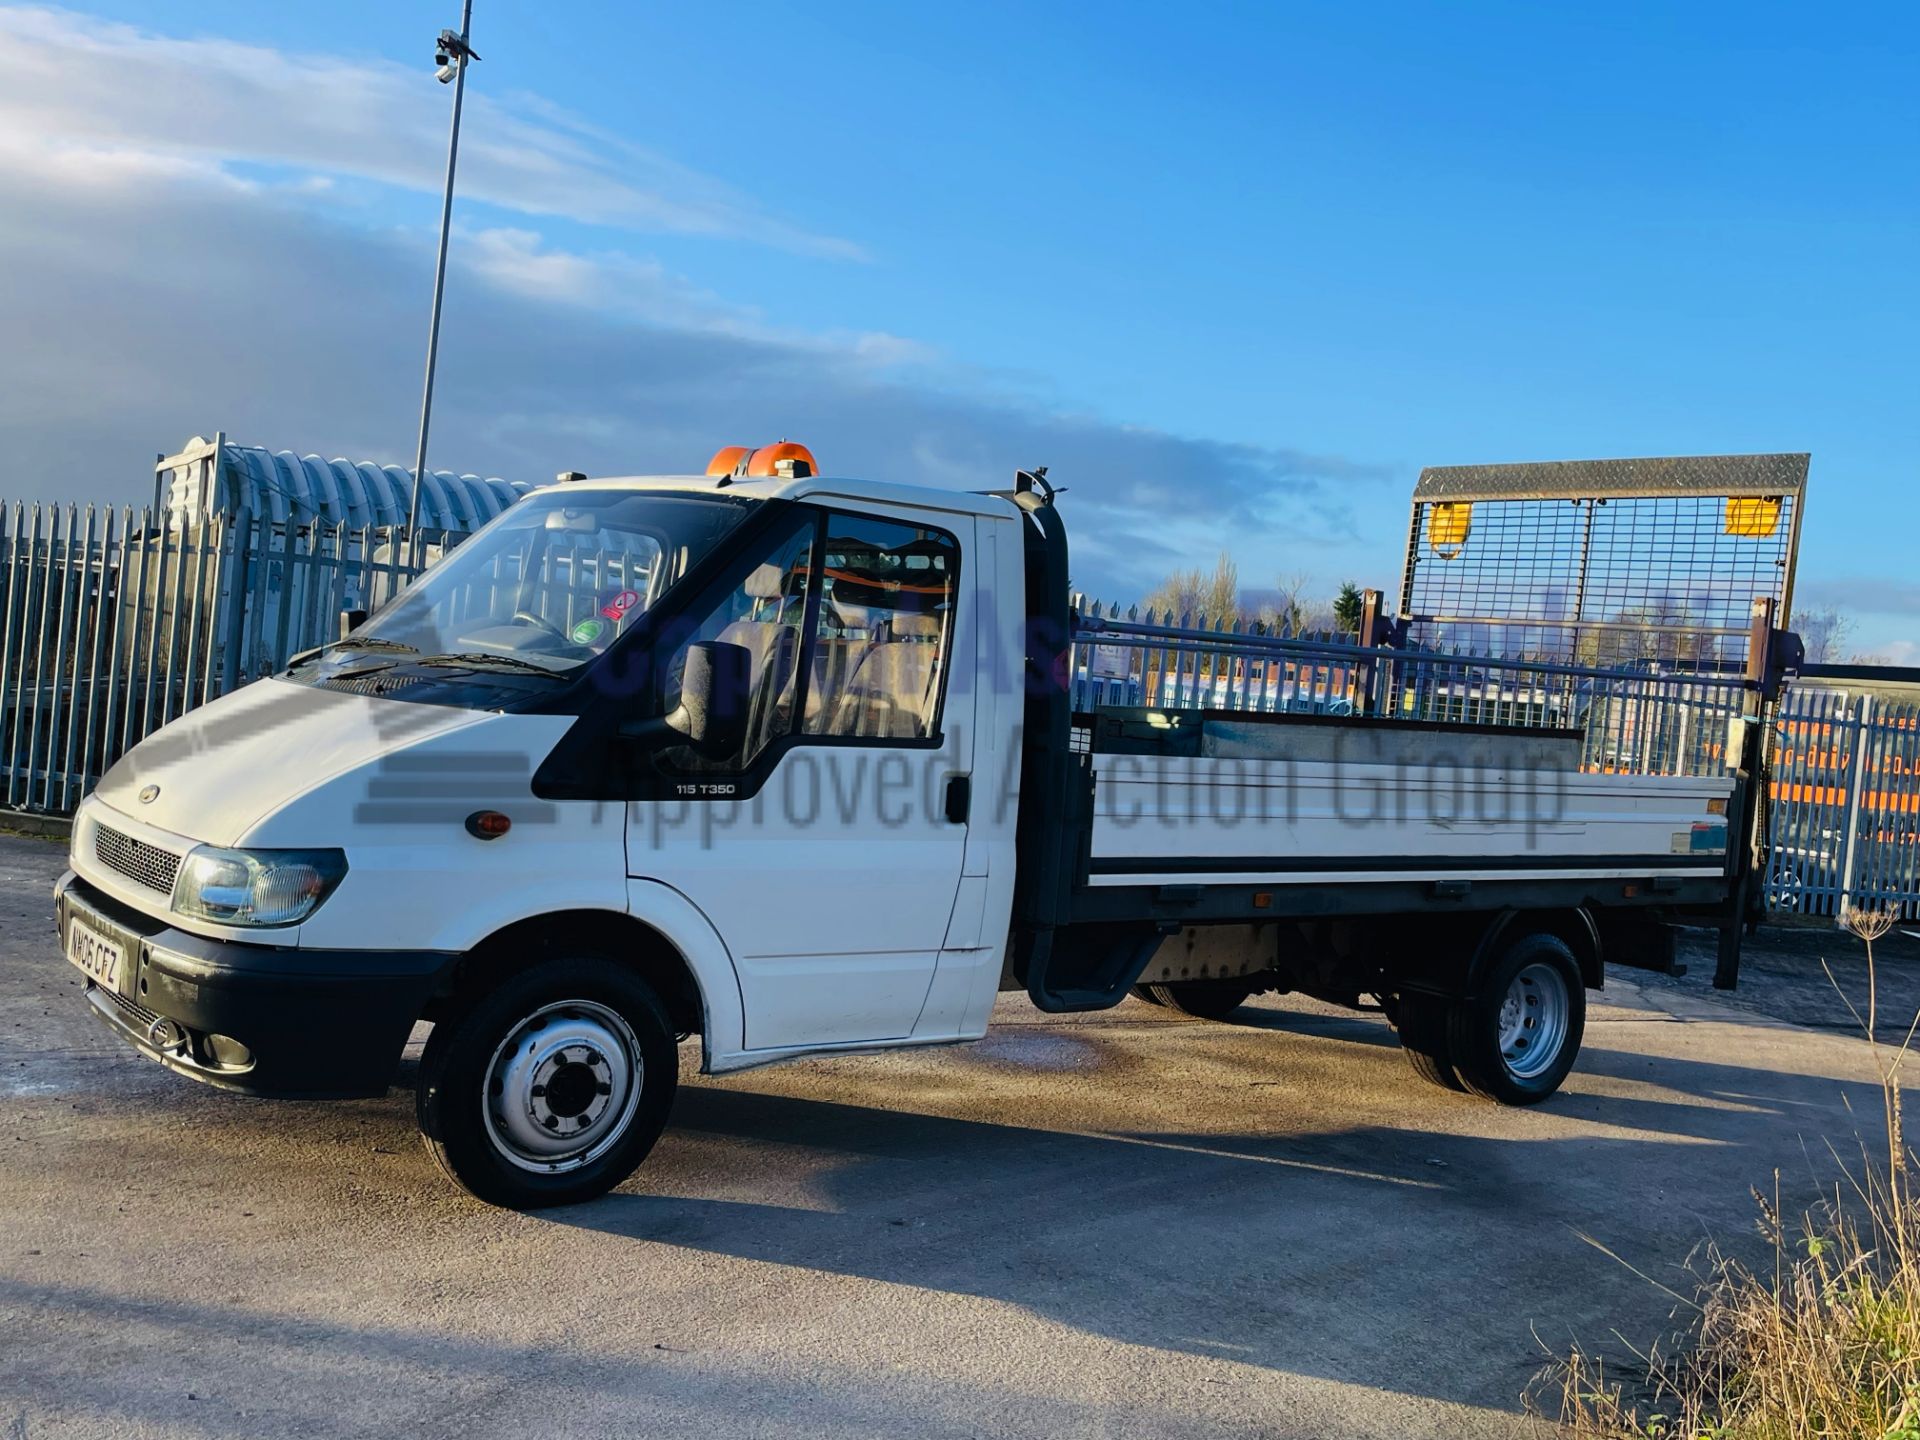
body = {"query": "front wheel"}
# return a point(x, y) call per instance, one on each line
point(1517, 1037)
point(552, 1088)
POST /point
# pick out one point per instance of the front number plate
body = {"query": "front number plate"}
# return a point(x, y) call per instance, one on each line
point(100, 957)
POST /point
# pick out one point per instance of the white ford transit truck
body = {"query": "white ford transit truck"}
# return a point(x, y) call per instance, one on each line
point(791, 764)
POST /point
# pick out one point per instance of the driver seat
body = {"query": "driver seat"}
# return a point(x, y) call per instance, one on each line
point(773, 645)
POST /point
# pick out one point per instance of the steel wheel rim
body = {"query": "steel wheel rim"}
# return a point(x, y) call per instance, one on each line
point(1533, 1021)
point(562, 1087)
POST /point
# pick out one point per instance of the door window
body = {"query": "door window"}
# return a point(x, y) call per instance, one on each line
point(873, 663)
point(763, 610)
point(885, 626)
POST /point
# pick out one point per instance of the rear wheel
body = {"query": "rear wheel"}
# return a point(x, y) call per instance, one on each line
point(1203, 999)
point(1422, 1023)
point(552, 1088)
point(1515, 1040)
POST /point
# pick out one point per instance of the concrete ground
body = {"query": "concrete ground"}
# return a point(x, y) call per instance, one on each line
point(1125, 1224)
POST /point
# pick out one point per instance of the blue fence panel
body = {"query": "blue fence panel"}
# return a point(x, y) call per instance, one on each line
point(114, 622)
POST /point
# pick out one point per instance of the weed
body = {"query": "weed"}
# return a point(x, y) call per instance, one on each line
point(1821, 1344)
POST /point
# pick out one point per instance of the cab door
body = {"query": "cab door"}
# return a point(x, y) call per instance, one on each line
point(828, 851)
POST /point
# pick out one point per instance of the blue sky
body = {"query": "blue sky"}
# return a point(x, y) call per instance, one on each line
point(1246, 266)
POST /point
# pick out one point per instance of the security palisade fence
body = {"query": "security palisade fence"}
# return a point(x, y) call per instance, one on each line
point(113, 622)
point(1846, 816)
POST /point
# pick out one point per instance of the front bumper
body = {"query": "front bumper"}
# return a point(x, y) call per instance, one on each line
point(259, 1019)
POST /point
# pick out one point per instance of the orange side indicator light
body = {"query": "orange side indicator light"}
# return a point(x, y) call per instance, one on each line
point(488, 824)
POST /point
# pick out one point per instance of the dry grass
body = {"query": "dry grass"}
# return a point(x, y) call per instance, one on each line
point(1821, 1344)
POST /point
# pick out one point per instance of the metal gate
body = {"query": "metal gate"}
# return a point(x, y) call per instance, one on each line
point(1846, 819)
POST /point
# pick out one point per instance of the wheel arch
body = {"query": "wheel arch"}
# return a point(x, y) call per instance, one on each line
point(704, 1005)
point(1574, 926)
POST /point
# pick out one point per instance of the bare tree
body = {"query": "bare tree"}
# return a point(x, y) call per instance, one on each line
point(1825, 632)
point(1289, 615)
point(1665, 631)
point(1196, 595)
point(1196, 592)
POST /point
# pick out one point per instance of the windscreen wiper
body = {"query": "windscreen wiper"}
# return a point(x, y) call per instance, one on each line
point(482, 659)
point(354, 642)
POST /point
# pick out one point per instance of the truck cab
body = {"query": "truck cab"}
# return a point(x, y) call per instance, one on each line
point(729, 756)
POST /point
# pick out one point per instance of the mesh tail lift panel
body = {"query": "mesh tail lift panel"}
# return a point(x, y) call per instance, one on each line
point(1603, 562)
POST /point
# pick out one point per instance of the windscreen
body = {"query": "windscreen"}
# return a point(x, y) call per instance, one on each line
point(558, 577)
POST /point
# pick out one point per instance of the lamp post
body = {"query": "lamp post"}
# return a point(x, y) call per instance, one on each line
point(453, 53)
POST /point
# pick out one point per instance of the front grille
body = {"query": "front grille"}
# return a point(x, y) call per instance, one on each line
point(144, 864)
point(132, 1013)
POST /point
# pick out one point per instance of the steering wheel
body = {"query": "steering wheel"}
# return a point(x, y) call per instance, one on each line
point(540, 622)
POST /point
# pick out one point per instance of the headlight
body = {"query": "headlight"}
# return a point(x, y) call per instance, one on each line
point(256, 887)
point(81, 846)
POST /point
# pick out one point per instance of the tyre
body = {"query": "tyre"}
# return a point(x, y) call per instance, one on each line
point(1422, 1023)
point(1145, 994)
point(552, 1087)
point(1785, 886)
point(1203, 999)
point(1517, 1037)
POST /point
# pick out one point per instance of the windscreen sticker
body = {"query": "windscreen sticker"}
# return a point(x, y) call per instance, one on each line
point(588, 631)
point(616, 609)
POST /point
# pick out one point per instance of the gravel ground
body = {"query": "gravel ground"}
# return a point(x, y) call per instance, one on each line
point(1815, 974)
point(1124, 1224)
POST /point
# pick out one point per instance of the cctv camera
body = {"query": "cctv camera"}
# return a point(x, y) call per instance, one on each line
point(440, 57)
point(444, 74)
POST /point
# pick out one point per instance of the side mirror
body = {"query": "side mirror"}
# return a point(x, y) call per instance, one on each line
point(716, 688)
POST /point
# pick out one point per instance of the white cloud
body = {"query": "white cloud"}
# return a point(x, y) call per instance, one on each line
point(31, 155)
point(82, 98)
point(521, 262)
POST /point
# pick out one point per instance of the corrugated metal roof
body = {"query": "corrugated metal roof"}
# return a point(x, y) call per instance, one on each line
point(1609, 479)
point(219, 477)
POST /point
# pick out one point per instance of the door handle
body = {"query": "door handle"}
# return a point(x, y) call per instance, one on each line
point(959, 798)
